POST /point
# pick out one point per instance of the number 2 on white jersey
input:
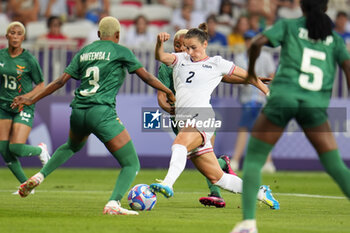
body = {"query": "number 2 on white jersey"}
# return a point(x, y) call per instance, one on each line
point(94, 82)
point(307, 67)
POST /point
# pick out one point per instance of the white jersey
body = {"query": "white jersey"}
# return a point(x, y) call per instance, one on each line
point(194, 82)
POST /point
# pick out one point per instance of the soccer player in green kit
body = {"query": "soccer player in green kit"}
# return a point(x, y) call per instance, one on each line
point(18, 71)
point(101, 68)
point(301, 89)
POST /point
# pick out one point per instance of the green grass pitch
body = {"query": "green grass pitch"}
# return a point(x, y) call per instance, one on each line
point(72, 200)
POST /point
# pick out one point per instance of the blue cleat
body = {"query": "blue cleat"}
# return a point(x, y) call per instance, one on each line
point(162, 188)
point(268, 198)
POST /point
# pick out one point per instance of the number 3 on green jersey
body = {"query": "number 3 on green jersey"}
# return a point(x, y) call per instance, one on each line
point(94, 82)
point(305, 81)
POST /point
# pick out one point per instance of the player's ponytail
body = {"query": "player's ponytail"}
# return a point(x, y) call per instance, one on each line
point(318, 23)
point(201, 33)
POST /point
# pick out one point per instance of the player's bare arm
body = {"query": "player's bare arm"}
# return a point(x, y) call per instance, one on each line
point(346, 69)
point(166, 58)
point(254, 53)
point(35, 90)
point(155, 83)
point(49, 89)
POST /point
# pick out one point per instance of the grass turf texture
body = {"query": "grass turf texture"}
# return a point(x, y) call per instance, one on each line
point(72, 200)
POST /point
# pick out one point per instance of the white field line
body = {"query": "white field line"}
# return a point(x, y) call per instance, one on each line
point(100, 191)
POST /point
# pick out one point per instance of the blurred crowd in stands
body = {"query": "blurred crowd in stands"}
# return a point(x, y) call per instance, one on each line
point(141, 20)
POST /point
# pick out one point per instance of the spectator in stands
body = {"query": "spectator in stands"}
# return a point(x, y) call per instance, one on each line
point(225, 16)
point(90, 9)
point(53, 7)
point(215, 37)
point(340, 27)
point(140, 35)
point(235, 39)
point(289, 9)
point(4, 21)
point(186, 17)
point(265, 9)
point(24, 11)
point(54, 25)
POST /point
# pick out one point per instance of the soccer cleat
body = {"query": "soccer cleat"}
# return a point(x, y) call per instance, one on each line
point(228, 168)
point(162, 188)
point(268, 198)
point(44, 155)
point(115, 208)
point(246, 226)
point(17, 192)
point(211, 200)
point(26, 188)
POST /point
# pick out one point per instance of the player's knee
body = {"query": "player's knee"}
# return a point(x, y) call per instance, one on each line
point(75, 147)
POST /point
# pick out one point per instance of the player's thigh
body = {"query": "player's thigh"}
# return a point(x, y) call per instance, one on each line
point(208, 165)
point(5, 129)
point(118, 141)
point(321, 137)
point(19, 133)
point(189, 137)
point(266, 131)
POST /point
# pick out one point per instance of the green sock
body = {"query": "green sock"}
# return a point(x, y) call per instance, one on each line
point(129, 162)
point(61, 155)
point(215, 190)
point(255, 159)
point(24, 150)
point(12, 162)
point(337, 169)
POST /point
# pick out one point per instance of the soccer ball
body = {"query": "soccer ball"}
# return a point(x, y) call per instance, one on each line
point(141, 197)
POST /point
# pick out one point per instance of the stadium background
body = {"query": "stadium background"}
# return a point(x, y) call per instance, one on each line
point(51, 124)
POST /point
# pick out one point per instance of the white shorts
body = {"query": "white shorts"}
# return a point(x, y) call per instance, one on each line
point(206, 146)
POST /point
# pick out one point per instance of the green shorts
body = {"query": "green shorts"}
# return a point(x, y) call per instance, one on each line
point(281, 108)
point(100, 120)
point(26, 116)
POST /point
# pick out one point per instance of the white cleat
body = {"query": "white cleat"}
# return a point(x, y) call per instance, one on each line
point(115, 208)
point(44, 155)
point(246, 226)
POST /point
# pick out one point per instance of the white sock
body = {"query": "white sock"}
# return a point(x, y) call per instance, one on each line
point(40, 176)
point(177, 164)
point(261, 195)
point(230, 183)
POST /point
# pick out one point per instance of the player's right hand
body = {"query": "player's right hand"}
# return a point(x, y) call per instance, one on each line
point(171, 98)
point(19, 101)
point(162, 37)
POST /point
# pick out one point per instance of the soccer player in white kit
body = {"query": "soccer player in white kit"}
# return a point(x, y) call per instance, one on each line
point(196, 75)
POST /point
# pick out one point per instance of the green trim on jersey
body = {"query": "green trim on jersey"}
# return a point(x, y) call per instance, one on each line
point(306, 67)
point(101, 67)
point(165, 75)
point(17, 75)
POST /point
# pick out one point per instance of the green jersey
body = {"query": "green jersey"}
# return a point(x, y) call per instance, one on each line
point(165, 75)
point(17, 77)
point(306, 67)
point(100, 67)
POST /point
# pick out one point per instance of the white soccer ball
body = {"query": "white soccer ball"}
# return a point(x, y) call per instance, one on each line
point(141, 197)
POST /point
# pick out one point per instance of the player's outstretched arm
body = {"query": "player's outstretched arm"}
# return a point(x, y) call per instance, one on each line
point(155, 83)
point(346, 69)
point(35, 90)
point(240, 76)
point(254, 53)
point(19, 101)
point(166, 58)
